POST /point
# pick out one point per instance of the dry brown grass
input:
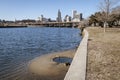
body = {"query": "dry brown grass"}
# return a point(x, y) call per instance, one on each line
point(103, 54)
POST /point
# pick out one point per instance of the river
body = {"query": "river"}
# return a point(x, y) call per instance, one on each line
point(20, 45)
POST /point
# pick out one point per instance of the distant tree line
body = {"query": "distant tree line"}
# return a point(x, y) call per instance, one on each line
point(4, 21)
point(99, 18)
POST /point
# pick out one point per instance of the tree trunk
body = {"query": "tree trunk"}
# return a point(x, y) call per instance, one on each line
point(105, 25)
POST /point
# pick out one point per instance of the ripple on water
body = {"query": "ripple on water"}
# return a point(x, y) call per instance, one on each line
point(20, 45)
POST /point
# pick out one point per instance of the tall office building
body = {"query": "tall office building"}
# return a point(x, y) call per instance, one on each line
point(42, 19)
point(67, 18)
point(59, 18)
point(77, 17)
point(74, 12)
point(81, 16)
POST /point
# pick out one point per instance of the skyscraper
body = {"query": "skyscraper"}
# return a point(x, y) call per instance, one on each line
point(77, 17)
point(74, 12)
point(59, 18)
point(67, 18)
point(81, 16)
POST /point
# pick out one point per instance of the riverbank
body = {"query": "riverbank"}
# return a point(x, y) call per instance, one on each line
point(103, 54)
point(17, 26)
point(44, 68)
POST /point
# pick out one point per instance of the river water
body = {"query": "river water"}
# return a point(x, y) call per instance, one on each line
point(20, 45)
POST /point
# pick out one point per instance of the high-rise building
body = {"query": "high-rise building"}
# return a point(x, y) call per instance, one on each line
point(74, 12)
point(67, 18)
point(77, 17)
point(81, 16)
point(59, 18)
point(42, 19)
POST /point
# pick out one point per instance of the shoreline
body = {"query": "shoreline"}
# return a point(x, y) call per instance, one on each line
point(102, 58)
point(44, 68)
point(14, 26)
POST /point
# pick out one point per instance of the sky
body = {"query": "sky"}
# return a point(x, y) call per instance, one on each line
point(32, 9)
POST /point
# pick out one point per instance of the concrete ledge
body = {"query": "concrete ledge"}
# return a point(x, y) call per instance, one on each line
point(77, 70)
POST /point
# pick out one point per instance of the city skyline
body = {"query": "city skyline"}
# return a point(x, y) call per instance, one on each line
point(23, 9)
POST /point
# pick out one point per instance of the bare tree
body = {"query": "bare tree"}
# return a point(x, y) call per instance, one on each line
point(105, 8)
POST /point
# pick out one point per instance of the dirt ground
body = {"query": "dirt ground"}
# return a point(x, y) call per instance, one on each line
point(44, 68)
point(103, 54)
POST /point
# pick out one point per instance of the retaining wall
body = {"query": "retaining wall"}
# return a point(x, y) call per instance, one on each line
point(77, 70)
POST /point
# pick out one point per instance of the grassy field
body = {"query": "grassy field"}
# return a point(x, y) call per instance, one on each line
point(103, 54)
